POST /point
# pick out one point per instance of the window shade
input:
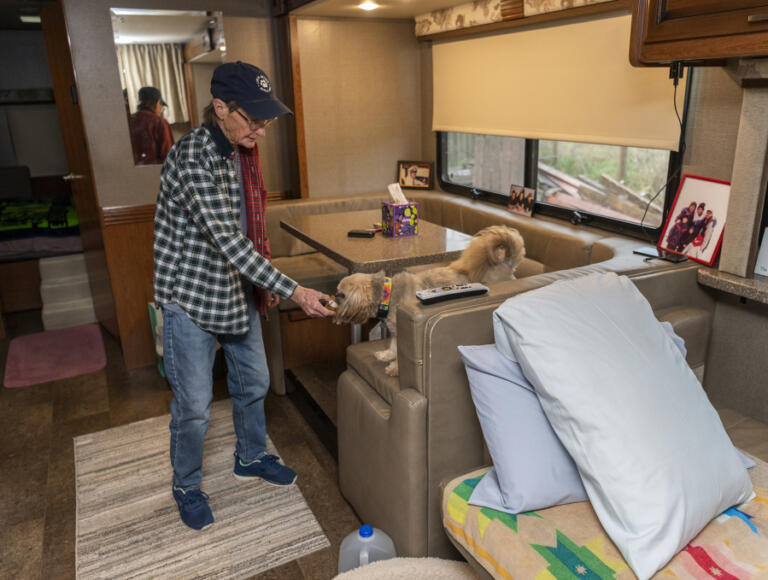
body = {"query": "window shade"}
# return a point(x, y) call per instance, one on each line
point(569, 82)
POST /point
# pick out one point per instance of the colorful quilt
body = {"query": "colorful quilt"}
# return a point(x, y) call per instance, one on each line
point(568, 543)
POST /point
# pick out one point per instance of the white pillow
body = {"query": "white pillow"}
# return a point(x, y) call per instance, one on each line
point(531, 468)
point(650, 448)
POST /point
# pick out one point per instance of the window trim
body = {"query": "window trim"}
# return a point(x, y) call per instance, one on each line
point(674, 171)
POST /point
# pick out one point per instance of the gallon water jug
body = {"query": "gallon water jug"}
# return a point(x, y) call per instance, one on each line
point(364, 546)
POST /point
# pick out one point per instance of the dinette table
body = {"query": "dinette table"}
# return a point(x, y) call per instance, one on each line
point(327, 233)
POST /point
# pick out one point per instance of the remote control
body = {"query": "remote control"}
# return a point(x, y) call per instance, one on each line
point(432, 295)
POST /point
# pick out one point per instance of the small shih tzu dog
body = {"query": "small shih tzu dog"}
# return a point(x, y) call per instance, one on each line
point(492, 256)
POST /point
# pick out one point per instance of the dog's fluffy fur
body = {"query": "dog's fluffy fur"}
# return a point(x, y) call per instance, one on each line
point(492, 256)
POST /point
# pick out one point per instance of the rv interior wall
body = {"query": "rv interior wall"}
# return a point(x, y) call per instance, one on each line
point(361, 84)
point(428, 141)
point(118, 181)
point(252, 40)
point(713, 123)
point(737, 365)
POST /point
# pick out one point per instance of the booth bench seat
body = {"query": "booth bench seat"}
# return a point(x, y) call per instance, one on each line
point(551, 246)
point(401, 439)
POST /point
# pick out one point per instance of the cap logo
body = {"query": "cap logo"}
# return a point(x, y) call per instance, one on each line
point(263, 82)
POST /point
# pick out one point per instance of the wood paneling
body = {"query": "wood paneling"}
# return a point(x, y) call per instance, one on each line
point(128, 214)
point(20, 286)
point(308, 340)
point(697, 30)
point(511, 9)
point(128, 245)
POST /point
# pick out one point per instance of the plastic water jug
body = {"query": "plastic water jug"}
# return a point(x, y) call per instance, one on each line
point(364, 546)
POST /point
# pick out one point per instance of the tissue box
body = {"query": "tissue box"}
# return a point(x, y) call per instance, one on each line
point(400, 219)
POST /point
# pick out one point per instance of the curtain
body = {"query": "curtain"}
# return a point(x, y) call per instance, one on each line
point(159, 66)
point(569, 82)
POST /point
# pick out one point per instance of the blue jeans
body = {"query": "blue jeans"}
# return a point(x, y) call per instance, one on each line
point(188, 354)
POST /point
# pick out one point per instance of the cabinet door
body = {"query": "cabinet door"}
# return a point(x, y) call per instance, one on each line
point(671, 20)
point(671, 9)
point(697, 31)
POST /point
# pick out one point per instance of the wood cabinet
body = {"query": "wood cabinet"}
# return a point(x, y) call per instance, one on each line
point(697, 30)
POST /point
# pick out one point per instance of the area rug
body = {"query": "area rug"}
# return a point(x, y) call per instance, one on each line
point(54, 354)
point(409, 568)
point(128, 525)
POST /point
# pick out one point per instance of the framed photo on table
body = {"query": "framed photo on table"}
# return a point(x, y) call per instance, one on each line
point(696, 221)
point(415, 174)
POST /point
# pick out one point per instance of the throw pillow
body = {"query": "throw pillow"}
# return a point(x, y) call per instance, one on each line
point(654, 458)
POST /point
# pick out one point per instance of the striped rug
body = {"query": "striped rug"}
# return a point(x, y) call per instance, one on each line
point(128, 525)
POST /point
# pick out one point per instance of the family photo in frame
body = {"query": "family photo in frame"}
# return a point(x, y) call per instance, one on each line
point(695, 224)
point(414, 174)
point(521, 199)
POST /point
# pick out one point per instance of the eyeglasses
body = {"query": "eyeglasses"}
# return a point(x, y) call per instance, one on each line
point(253, 124)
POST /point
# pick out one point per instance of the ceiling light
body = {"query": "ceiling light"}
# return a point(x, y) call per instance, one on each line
point(30, 19)
point(368, 5)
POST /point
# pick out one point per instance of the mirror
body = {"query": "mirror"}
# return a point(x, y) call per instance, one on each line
point(166, 59)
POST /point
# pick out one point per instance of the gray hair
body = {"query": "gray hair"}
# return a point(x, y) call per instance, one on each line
point(209, 114)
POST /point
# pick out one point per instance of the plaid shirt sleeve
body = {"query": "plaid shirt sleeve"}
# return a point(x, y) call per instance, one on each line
point(213, 215)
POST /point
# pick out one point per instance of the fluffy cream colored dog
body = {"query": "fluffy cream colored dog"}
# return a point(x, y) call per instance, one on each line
point(492, 256)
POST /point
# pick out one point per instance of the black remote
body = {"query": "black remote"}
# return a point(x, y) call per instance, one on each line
point(361, 233)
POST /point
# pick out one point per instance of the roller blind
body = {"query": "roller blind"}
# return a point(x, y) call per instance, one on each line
point(570, 82)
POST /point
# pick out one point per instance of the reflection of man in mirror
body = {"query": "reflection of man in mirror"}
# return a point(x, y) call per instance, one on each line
point(151, 135)
point(213, 276)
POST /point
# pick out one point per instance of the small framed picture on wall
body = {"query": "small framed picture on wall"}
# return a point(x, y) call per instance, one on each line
point(415, 174)
point(696, 221)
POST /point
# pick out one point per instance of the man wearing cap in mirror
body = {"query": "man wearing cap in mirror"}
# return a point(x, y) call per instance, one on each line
point(213, 277)
point(151, 135)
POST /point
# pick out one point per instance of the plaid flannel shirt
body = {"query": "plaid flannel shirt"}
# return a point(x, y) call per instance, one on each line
point(200, 252)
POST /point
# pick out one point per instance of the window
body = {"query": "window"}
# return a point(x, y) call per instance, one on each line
point(615, 186)
point(605, 180)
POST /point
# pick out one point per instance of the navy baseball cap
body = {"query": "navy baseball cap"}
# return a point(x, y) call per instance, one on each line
point(150, 95)
point(249, 87)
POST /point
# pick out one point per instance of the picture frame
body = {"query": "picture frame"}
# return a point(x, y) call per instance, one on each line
point(695, 224)
point(415, 174)
point(521, 199)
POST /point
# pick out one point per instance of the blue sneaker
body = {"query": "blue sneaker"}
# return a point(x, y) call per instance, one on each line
point(267, 468)
point(193, 507)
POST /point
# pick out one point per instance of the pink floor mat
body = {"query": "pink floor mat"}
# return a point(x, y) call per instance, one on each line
point(54, 354)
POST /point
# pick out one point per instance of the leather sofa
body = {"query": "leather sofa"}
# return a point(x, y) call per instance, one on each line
point(400, 439)
point(561, 246)
point(550, 246)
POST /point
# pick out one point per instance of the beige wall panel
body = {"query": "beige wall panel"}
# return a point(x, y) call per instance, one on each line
point(118, 181)
point(737, 363)
point(251, 40)
point(201, 74)
point(428, 139)
point(713, 123)
point(361, 83)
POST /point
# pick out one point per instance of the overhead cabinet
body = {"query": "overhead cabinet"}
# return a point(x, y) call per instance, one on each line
point(698, 30)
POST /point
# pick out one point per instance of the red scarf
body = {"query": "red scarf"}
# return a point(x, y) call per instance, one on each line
point(255, 205)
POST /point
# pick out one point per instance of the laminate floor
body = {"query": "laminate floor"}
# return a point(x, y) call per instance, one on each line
point(37, 478)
